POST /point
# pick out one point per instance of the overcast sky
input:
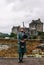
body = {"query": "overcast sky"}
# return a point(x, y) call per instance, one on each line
point(14, 12)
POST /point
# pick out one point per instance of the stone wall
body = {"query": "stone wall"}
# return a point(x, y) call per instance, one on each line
point(12, 51)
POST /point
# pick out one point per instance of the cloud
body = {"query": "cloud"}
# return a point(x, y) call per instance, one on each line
point(14, 12)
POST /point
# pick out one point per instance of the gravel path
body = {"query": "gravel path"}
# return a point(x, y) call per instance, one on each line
point(27, 61)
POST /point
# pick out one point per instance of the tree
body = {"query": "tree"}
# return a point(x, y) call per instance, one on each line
point(41, 33)
point(13, 35)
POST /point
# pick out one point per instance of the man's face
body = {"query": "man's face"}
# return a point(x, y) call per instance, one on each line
point(21, 30)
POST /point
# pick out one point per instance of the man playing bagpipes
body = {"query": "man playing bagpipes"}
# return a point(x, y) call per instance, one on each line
point(21, 43)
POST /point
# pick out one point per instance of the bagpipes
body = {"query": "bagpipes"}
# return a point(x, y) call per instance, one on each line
point(24, 37)
point(22, 43)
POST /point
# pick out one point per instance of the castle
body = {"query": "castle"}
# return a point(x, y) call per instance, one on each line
point(34, 27)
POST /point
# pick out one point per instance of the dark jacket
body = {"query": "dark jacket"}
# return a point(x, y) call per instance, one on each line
point(21, 46)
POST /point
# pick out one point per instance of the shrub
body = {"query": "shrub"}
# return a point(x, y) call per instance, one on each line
point(13, 35)
point(32, 37)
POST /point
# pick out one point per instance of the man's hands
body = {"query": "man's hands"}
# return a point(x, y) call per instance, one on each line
point(23, 40)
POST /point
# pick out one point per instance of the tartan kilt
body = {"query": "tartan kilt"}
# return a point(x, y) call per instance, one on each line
point(21, 48)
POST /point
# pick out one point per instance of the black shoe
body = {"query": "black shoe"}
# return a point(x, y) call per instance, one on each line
point(19, 62)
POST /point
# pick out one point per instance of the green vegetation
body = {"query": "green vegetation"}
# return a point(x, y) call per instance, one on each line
point(39, 36)
point(32, 37)
point(3, 35)
point(13, 35)
point(41, 33)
